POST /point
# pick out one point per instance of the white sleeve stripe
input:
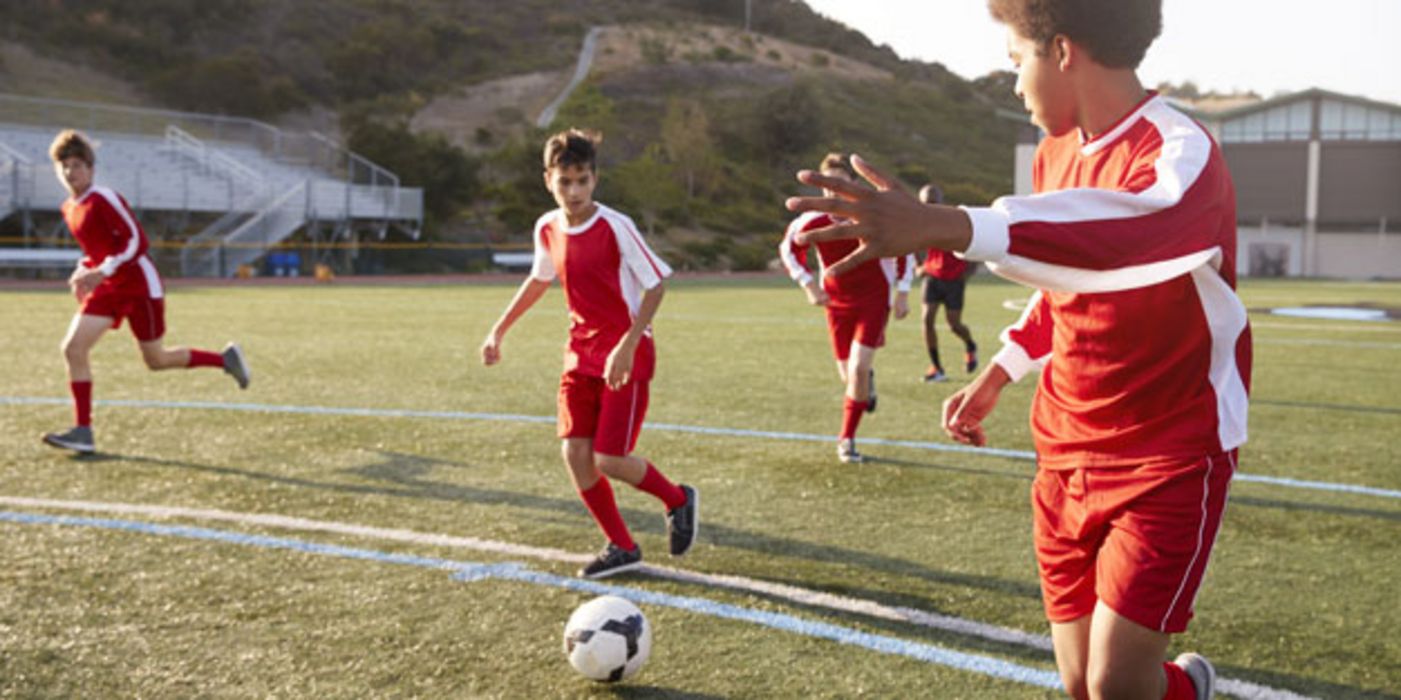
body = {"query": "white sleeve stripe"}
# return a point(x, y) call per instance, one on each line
point(1013, 358)
point(649, 270)
point(110, 265)
point(542, 267)
point(796, 270)
point(1184, 154)
point(1061, 278)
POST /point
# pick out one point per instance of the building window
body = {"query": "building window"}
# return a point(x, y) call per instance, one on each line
point(1291, 122)
point(1349, 121)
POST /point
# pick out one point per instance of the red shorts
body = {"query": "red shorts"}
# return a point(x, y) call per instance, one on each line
point(589, 409)
point(865, 324)
point(1136, 538)
point(144, 315)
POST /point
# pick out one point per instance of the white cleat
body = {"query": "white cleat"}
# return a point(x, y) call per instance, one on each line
point(1202, 673)
point(236, 366)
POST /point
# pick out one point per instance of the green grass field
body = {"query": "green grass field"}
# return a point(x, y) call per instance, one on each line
point(1303, 594)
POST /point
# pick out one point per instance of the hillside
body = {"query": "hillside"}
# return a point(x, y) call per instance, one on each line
point(704, 123)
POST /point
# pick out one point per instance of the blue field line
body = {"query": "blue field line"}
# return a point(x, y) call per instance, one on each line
point(1023, 455)
point(476, 571)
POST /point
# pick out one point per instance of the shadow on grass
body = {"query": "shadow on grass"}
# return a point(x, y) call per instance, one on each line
point(1019, 475)
point(631, 690)
point(402, 476)
point(1393, 515)
point(1312, 687)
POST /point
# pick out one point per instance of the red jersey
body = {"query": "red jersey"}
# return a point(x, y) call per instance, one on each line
point(1131, 242)
point(112, 241)
point(868, 283)
point(604, 266)
point(943, 265)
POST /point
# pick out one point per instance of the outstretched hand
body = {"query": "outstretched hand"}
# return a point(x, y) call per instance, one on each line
point(887, 220)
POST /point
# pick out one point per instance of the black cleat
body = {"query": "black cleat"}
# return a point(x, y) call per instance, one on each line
point(683, 522)
point(612, 560)
point(935, 375)
point(236, 366)
point(78, 439)
point(970, 358)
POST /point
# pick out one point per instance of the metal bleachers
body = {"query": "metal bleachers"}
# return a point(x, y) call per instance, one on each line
point(265, 183)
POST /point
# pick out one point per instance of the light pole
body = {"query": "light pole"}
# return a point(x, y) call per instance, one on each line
point(748, 4)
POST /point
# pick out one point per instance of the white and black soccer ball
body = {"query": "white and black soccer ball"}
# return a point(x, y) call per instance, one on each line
point(608, 639)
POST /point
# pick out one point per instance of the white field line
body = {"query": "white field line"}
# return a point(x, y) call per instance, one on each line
point(1021, 455)
point(793, 594)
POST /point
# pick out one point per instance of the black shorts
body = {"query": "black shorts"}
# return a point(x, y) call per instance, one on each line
point(946, 292)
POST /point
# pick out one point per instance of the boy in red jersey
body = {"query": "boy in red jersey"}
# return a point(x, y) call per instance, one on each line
point(1144, 346)
point(613, 286)
point(945, 279)
point(114, 281)
point(857, 304)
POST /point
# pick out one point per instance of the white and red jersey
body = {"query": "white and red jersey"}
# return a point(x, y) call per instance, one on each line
point(868, 283)
point(604, 266)
point(943, 265)
point(1130, 240)
point(112, 241)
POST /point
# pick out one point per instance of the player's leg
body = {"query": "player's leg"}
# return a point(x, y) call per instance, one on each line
point(1067, 540)
point(579, 402)
point(147, 321)
point(855, 403)
point(929, 311)
point(83, 334)
point(1148, 571)
point(954, 316)
point(1071, 641)
point(619, 424)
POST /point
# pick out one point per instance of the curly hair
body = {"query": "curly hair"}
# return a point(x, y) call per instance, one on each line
point(1117, 33)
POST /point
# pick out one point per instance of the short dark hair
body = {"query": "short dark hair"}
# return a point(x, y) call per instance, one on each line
point(573, 147)
point(931, 194)
point(1117, 33)
point(838, 161)
point(71, 143)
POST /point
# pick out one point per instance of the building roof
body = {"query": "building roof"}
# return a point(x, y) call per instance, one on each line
point(1225, 112)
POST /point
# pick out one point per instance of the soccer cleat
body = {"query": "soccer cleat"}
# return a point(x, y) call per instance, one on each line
point(970, 358)
point(612, 560)
point(935, 375)
point(78, 439)
point(683, 522)
point(871, 402)
point(846, 452)
point(235, 366)
point(1202, 673)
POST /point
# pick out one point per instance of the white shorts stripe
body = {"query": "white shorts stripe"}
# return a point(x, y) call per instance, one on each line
point(1201, 528)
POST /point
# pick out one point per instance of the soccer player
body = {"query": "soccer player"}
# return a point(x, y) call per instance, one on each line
point(1142, 342)
point(114, 281)
point(945, 278)
point(613, 286)
point(857, 304)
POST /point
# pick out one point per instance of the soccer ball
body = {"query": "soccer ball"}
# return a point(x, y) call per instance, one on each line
point(607, 639)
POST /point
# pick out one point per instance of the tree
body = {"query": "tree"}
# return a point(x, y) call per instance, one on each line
point(686, 141)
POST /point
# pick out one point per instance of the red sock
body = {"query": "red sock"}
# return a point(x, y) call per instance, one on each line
point(654, 483)
point(82, 402)
point(204, 358)
point(1179, 684)
point(852, 410)
point(599, 499)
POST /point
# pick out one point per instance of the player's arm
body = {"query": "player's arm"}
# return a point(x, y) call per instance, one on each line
point(795, 261)
point(617, 371)
point(648, 270)
point(529, 292)
point(1026, 346)
point(905, 272)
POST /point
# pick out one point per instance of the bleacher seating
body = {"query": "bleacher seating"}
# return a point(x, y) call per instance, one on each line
point(267, 183)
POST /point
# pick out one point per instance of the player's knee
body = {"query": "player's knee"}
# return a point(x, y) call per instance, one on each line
point(1108, 683)
point(1075, 686)
point(610, 465)
point(153, 361)
point(73, 352)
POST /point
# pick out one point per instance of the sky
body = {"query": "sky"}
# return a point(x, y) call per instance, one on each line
point(1269, 46)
